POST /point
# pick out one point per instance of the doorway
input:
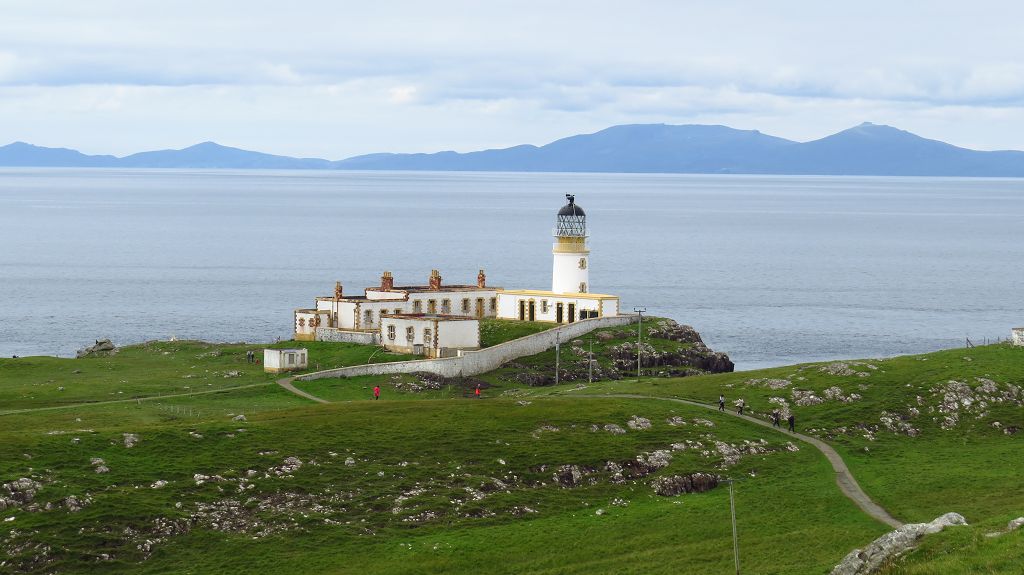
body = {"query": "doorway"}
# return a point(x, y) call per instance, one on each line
point(572, 312)
point(558, 312)
point(522, 310)
point(533, 310)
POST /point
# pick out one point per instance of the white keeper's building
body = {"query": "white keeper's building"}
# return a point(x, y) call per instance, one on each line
point(364, 318)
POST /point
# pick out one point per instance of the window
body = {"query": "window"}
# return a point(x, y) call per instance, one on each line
point(446, 306)
point(432, 306)
point(410, 333)
point(417, 306)
point(368, 317)
point(583, 263)
point(427, 341)
point(543, 306)
point(465, 305)
point(302, 322)
point(391, 332)
point(494, 304)
point(583, 287)
point(398, 311)
point(290, 359)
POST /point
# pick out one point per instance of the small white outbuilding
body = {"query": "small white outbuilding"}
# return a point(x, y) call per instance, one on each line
point(278, 360)
point(1017, 335)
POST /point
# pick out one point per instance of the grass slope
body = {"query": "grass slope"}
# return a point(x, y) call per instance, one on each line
point(474, 466)
point(439, 483)
point(157, 368)
point(494, 331)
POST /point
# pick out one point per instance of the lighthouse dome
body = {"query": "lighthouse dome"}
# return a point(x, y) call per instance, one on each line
point(572, 208)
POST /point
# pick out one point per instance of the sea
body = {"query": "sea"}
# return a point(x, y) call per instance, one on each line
point(772, 270)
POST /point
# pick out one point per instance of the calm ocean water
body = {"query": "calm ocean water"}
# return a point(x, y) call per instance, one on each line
point(772, 270)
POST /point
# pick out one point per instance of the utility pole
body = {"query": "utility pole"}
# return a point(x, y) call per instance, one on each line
point(735, 538)
point(639, 330)
point(590, 365)
point(558, 350)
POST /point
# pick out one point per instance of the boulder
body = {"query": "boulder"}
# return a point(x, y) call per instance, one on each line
point(568, 476)
point(102, 346)
point(130, 439)
point(20, 491)
point(637, 422)
point(1015, 524)
point(673, 485)
point(892, 545)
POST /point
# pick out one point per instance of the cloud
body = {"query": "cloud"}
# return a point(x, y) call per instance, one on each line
point(331, 78)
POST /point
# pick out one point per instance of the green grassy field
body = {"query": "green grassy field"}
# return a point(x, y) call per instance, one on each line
point(155, 369)
point(427, 481)
point(494, 331)
point(895, 435)
point(456, 485)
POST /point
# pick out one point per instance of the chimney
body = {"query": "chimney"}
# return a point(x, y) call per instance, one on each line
point(435, 280)
point(481, 279)
point(387, 283)
point(337, 290)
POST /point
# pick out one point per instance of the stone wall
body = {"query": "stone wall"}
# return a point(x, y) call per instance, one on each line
point(480, 361)
point(346, 336)
point(1017, 335)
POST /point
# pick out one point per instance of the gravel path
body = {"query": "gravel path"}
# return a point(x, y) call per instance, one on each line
point(287, 384)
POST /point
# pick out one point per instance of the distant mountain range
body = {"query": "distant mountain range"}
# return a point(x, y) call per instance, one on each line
point(867, 149)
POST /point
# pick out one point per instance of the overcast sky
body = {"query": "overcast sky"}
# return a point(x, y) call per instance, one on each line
point(337, 78)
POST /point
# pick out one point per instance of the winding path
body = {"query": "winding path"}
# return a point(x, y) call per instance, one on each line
point(844, 479)
point(287, 384)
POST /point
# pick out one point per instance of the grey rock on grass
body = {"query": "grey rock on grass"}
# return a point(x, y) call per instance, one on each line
point(892, 544)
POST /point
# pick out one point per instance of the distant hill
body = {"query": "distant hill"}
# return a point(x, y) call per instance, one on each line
point(22, 154)
point(213, 155)
point(867, 149)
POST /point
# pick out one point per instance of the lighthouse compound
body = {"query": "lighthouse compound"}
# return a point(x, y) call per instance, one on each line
point(437, 318)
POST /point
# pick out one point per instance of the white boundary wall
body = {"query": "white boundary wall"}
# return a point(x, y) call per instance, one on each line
point(480, 361)
point(347, 336)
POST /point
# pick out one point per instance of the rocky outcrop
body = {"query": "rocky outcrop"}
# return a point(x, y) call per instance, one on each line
point(101, 347)
point(678, 352)
point(694, 356)
point(893, 544)
point(19, 492)
point(672, 485)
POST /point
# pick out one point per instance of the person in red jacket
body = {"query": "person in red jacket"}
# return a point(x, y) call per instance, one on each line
point(477, 392)
point(376, 392)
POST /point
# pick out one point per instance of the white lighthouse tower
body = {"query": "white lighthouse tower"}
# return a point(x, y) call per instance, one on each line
point(571, 270)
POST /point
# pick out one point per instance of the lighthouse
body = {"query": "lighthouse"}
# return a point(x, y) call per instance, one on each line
point(571, 268)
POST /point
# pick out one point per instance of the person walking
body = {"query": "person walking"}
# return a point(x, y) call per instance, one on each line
point(477, 392)
point(775, 418)
point(376, 392)
point(721, 402)
point(792, 422)
point(739, 407)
